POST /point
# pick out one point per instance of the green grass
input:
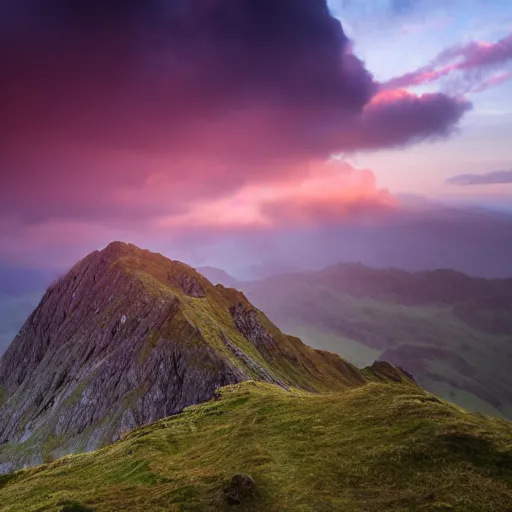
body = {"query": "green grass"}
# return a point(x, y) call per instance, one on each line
point(380, 447)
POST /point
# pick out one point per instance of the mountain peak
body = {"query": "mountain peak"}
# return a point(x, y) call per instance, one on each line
point(152, 269)
point(118, 249)
point(117, 245)
point(128, 337)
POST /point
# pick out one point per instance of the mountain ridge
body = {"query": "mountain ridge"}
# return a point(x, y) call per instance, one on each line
point(446, 285)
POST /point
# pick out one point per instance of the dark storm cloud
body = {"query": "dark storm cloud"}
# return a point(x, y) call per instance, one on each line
point(226, 89)
point(401, 117)
point(152, 61)
point(490, 178)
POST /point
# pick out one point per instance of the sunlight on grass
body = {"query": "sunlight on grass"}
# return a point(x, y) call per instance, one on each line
point(375, 448)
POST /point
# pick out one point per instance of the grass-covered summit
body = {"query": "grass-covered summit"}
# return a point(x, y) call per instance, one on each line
point(384, 446)
point(128, 337)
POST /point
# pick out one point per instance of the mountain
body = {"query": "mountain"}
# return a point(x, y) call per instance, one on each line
point(218, 276)
point(453, 332)
point(199, 403)
point(442, 286)
point(269, 268)
point(128, 337)
point(385, 446)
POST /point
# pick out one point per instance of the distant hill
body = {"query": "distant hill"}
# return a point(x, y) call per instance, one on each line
point(453, 332)
point(218, 276)
point(442, 286)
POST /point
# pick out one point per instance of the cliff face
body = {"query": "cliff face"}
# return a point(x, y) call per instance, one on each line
point(128, 337)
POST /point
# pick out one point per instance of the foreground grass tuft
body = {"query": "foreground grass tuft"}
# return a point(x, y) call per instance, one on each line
point(381, 447)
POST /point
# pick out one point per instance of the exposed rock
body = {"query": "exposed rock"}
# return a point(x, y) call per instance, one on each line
point(262, 372)
point(410, 376)
point(248, 323)
point(71, 506)
point(240, 490)
point(5, 467)
point(191, 286)
point(384, 371)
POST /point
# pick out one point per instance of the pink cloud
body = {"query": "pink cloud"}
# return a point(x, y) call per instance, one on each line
point(317, 196)
point(324, 192)
point(328, 192)
point(470, 59)
point(492, 81)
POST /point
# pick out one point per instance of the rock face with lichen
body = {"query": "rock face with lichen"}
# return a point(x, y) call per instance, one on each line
point(128, 337)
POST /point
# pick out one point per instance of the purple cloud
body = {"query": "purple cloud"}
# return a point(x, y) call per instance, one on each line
point(490, 178)
point(472, 60)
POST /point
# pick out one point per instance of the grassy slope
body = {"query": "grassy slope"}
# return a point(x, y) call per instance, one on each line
point(362, 330)
point(376, 448)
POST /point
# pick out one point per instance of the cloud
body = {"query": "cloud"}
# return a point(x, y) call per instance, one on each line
point(490, 178)
point(393, 117)
point(127, 111)
point(330, 192)
point(473, 241)
point(470, 62)
point(492, 81)
point(323, 194)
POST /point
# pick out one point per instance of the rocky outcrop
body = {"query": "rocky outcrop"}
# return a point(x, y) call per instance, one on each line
point(191, 286)
point(128, 337)
point(241, 490)
point(248, 323)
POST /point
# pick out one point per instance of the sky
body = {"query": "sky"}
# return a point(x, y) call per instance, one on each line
point(397, 38)
point(251, 135)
